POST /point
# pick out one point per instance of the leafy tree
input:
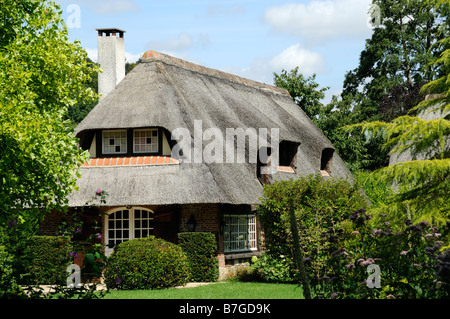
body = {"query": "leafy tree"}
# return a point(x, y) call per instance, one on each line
point(304, 91)
point(42, 74)
point(398, 53)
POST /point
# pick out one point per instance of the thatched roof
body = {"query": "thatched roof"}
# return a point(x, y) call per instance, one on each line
point(163, 91)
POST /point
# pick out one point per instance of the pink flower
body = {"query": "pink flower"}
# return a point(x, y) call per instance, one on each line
point(403, 253)
point(99, 236)
point(348, 266)
point(98, 192)
point(367, 262)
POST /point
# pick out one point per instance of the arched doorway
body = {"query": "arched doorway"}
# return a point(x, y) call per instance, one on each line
point(122, 224)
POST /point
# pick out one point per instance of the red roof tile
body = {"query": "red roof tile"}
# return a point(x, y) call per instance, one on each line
point(130, 161)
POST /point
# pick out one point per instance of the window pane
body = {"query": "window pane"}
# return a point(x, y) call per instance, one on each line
point(146, 140)
point(114, 142)
point(240, 232)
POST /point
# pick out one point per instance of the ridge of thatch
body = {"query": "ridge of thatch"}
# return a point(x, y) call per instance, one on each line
point(154, 56)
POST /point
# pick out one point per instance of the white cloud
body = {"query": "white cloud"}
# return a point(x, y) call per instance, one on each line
point(179, 46)
point(321, 20)
point(308, 61)
point(262, 69)
point(92, 54)
point(131, 57)
point(182, 42)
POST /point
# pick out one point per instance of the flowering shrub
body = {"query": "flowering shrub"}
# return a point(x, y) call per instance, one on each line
point(411, 261)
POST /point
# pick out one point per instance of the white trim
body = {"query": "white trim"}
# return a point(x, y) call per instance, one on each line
point(131, 225)
point(251, 233)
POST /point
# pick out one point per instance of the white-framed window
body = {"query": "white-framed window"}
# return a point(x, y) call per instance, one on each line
point(146, 140)
point(114, 142)
point(125, 224)
point(240, 233)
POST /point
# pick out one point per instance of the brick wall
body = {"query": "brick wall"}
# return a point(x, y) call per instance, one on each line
point(207, 216)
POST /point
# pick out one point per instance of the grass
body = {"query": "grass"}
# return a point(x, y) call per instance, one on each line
point(220, 290)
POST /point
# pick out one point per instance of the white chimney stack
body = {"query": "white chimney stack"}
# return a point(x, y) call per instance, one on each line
point(111, 57)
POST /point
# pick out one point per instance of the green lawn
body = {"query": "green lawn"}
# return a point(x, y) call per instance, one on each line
point(220, 290)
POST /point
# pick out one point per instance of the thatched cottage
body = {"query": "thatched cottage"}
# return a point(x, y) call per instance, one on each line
point(156, 183)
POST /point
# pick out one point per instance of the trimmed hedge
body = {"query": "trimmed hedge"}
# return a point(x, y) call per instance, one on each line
point(48, 260)
point(200, 249)
point(146, 263)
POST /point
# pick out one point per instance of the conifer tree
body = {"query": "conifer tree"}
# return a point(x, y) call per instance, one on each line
point(422, 183)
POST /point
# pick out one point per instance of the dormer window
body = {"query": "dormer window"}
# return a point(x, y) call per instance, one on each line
point(146, 141)
point(114, 142)
point(151, 141)
point(288, 154)
point(325, 162)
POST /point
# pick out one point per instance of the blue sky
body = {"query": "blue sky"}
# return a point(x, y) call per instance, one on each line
point(249, 38)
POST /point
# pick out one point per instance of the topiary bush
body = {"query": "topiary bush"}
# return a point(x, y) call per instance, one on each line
point(146, 263)
point(47, 260)
point(200, 248)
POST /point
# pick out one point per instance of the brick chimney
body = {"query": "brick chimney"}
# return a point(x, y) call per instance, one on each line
point(111, 57)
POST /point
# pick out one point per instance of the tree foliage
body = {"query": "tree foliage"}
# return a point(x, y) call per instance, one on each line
point(304, 90)
point(423, 181)
point(41, 76)
point(398, 53)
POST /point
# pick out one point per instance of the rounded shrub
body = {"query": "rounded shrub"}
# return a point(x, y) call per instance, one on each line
point(146, 263)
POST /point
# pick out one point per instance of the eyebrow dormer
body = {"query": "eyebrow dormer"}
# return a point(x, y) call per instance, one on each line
point(326, 161)
point(288, 155)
